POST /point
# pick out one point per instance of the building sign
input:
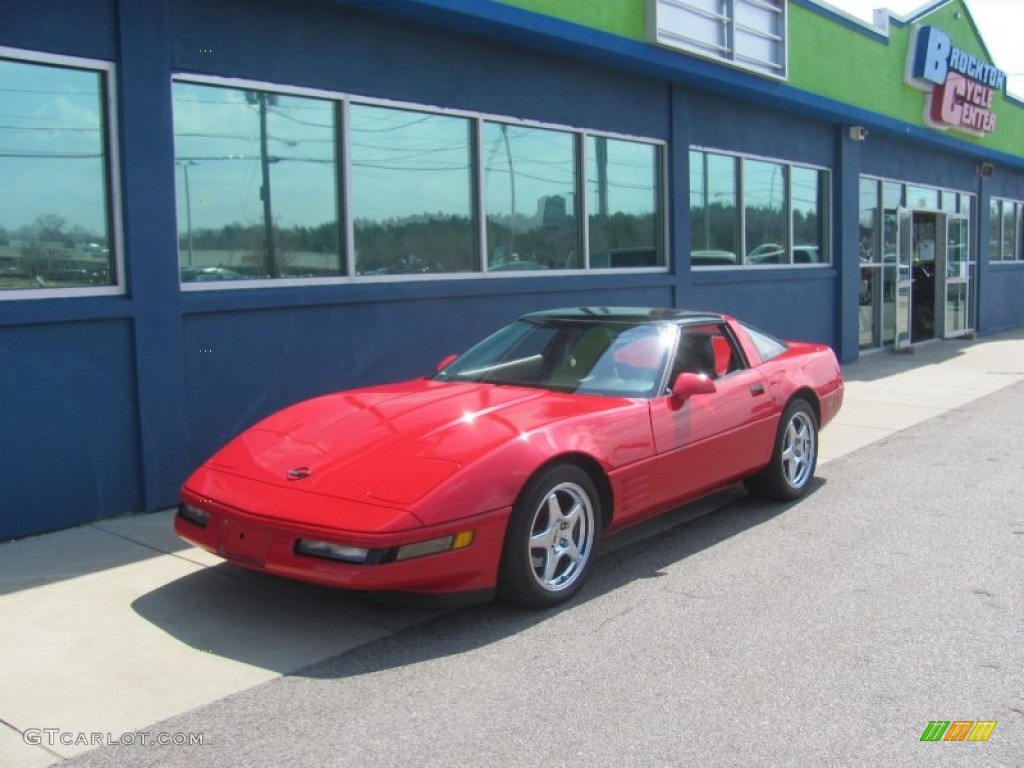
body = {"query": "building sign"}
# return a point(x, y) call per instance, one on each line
point(961, 87)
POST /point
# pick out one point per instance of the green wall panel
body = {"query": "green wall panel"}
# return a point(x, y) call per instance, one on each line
point(619, 17)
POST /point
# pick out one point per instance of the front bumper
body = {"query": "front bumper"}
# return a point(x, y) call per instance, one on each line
point(269, 545)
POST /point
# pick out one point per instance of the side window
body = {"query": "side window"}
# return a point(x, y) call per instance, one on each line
point(706, 349)
point(768, 347)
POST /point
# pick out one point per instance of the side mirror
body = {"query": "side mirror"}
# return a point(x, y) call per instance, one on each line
point(446, 362)
point(687, 385)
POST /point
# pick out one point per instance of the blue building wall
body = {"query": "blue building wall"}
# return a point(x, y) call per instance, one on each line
point(111, 401)
point(68, 27)
point(891, 157)
point(1000, 284)
point(69, 420)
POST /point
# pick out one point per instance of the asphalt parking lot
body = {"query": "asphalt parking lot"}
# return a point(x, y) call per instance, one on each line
point(827, 632)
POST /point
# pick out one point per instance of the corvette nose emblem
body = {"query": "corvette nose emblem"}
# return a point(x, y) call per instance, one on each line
point(299, 473)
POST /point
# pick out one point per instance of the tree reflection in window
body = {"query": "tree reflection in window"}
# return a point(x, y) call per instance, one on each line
point(256, 184)
point(624, 199)
point(55, 227)
point(531, 192)
point(764, 200)
point(785, 210)
point(714, 211)
point(412, 199)
point(810, 216)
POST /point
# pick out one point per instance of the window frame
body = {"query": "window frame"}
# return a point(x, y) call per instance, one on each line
point(111, 177)
point(477, 119)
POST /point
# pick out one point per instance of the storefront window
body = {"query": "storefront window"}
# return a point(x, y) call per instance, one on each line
point(714, 210)
point(923, 198)
point(1011, 220)
point(892, 195)
point(530, 183)
point(624, 201)
point(1004, 234)
point(995, 222)
point(766, 224)
point(892, 201)
point(290, 185)
point(55, 219)
point(412, 192)
point(256, 186)
point(786, 213)
point(870, 231)
point(810, 215)
point(871, 269)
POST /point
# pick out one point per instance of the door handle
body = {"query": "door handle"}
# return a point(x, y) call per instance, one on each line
point(757, 390)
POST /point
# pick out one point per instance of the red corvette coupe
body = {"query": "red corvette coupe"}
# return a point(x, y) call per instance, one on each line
point(502, 470)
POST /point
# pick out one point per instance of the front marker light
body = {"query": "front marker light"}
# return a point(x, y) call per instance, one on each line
point(459, 540)
point(194, 515)
point(331, 551)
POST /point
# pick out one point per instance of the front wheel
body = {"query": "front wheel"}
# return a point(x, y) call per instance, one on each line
point(551, 537)
point(794, 456)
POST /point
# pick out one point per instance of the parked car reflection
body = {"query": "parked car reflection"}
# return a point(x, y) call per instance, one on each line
point(208, 274)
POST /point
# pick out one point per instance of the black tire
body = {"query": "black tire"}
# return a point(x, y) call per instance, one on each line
point(551, 538)
point(794, 457)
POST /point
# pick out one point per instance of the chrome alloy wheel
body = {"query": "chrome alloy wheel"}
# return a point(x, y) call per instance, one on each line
point(798, 449)
point(562, 537)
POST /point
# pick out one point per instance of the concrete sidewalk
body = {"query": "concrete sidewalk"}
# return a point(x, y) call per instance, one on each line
point(112, 627)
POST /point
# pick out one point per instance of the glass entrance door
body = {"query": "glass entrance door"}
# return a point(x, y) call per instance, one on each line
point(956, 268)
point(916, 264)
point(904, 276)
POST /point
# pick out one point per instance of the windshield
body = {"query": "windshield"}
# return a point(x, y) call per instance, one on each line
point(595, 357)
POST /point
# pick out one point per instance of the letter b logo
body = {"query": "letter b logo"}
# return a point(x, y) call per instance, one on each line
point(931, 59)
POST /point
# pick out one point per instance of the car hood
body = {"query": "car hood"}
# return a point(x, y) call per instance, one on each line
point(392, 444)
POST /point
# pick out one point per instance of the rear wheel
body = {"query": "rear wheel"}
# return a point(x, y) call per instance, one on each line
point(551, 536)
point(794, 456)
